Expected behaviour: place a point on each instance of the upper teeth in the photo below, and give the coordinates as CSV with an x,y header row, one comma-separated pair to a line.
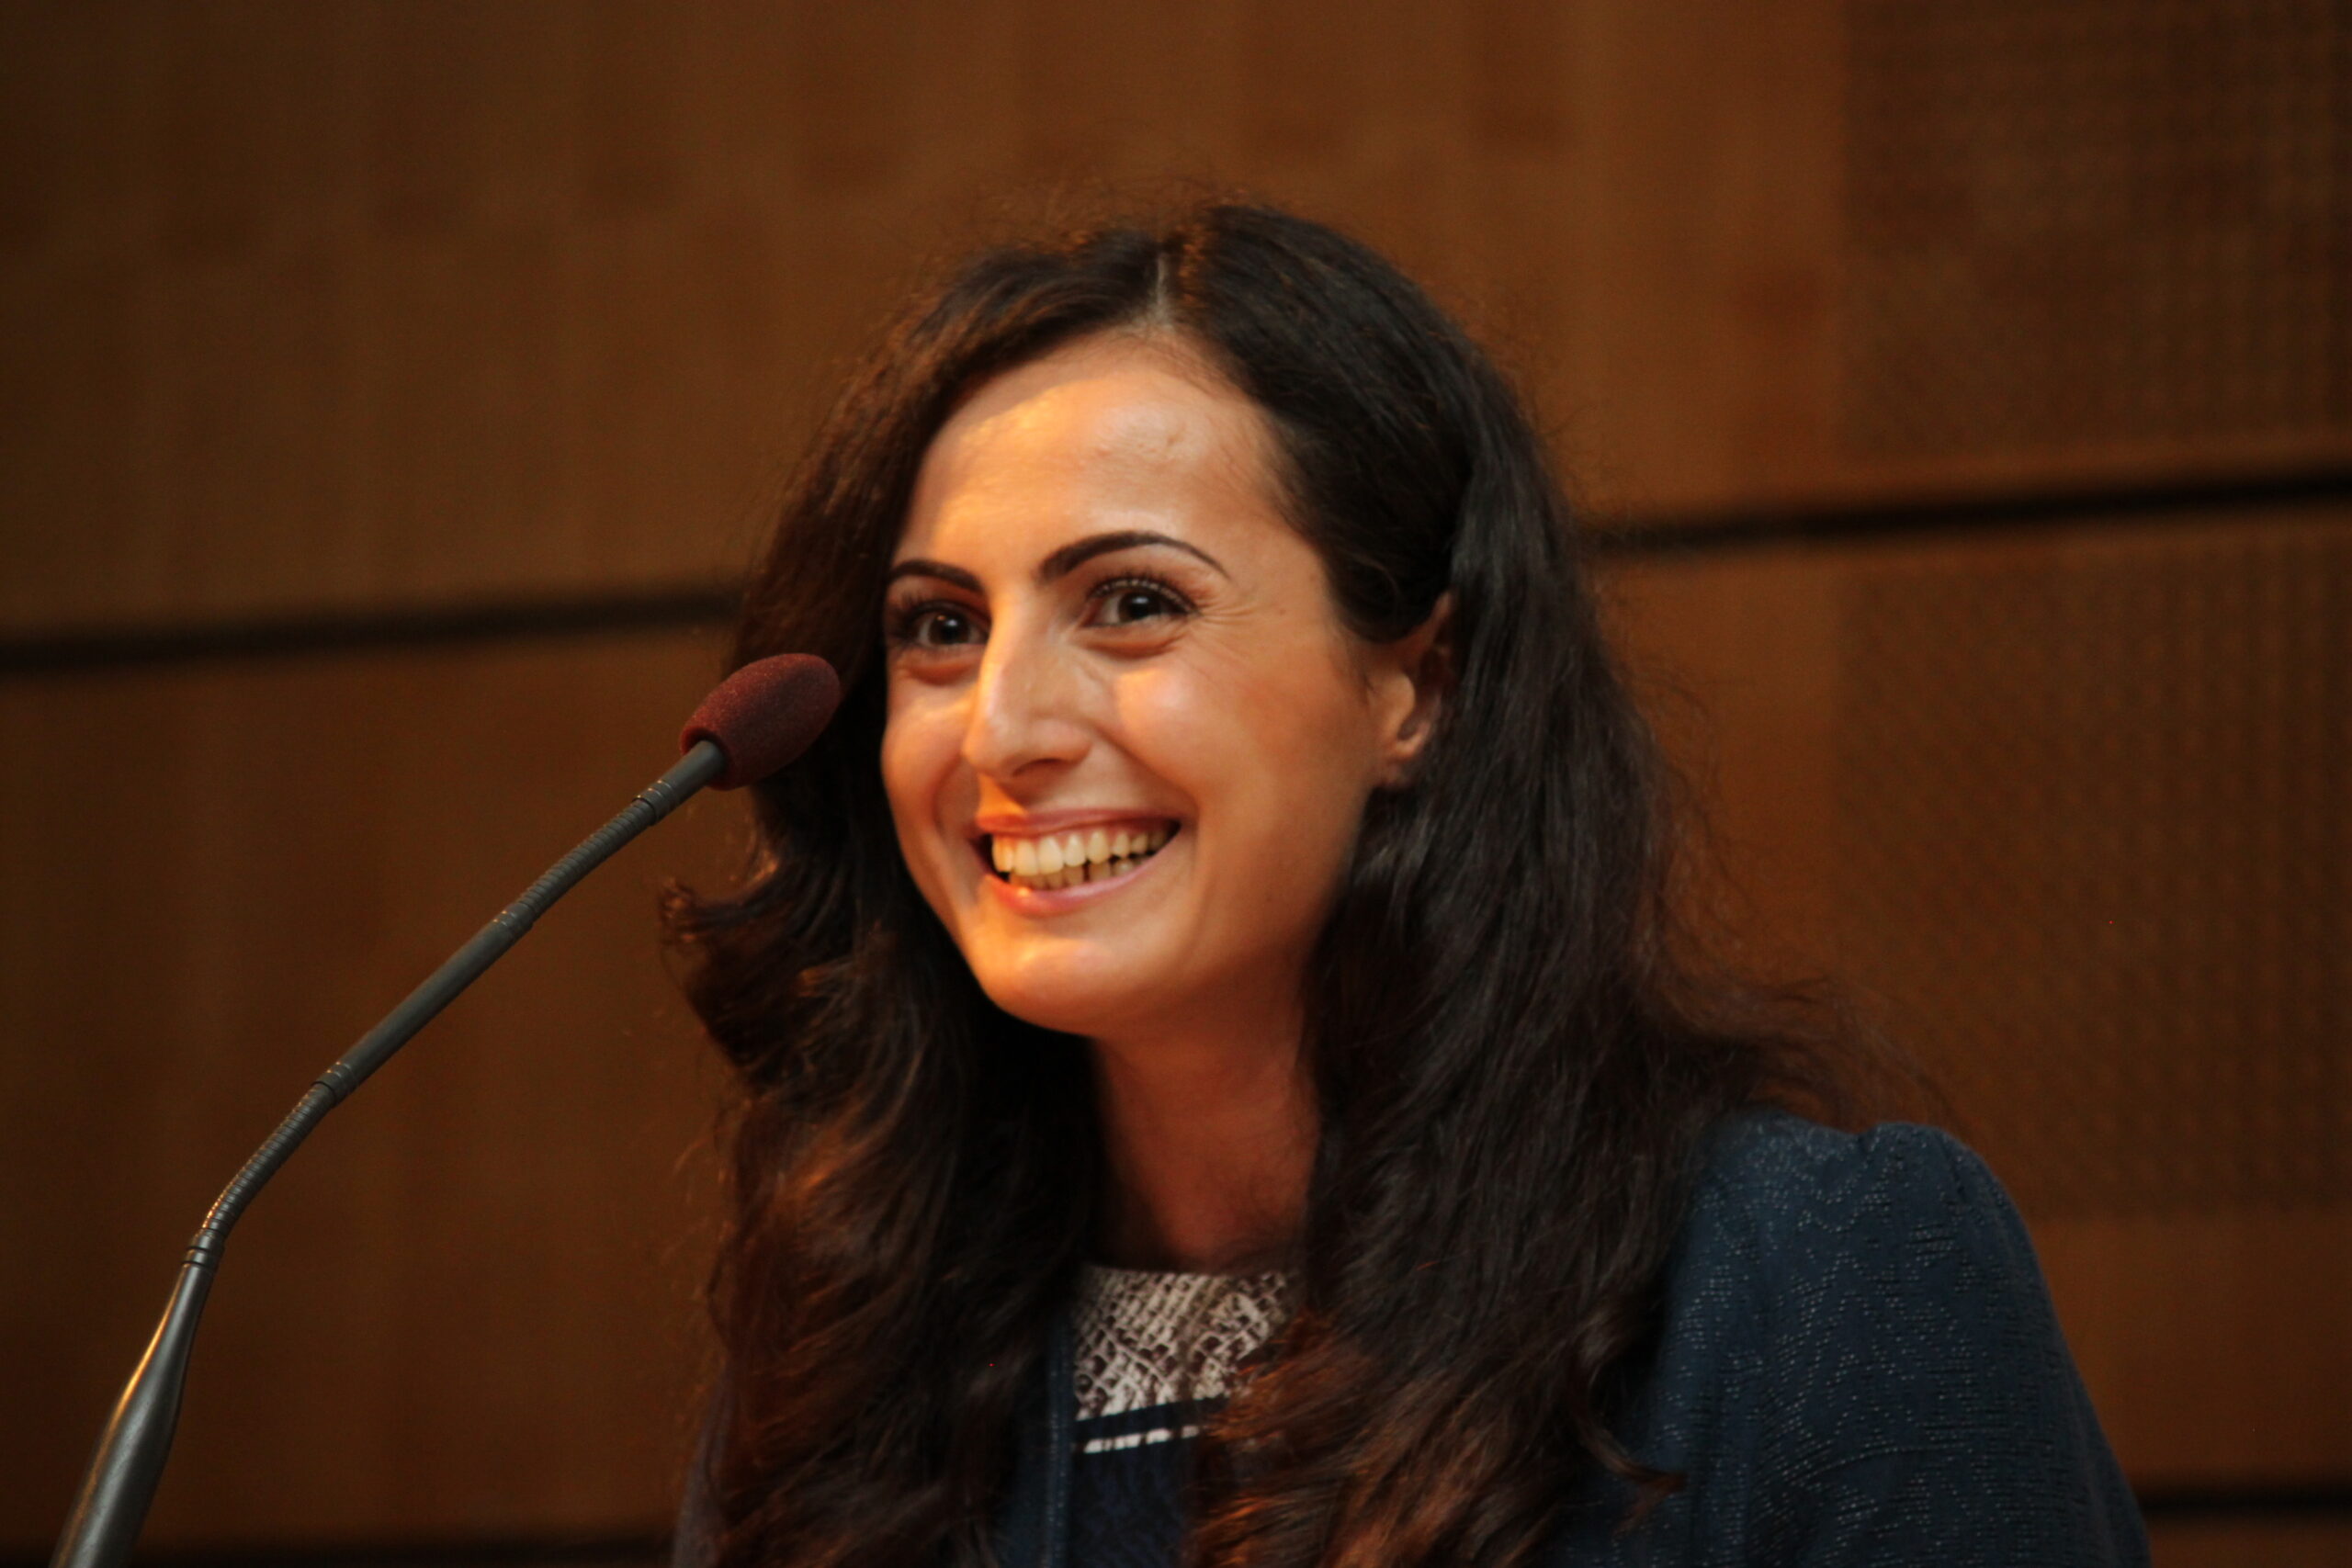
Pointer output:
x,y
1095,846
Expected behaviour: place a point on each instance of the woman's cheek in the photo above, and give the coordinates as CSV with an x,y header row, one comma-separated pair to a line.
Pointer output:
x,y
1212,696
918,753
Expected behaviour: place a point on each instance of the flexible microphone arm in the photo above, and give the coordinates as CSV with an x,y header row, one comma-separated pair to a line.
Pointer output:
x,y
752,724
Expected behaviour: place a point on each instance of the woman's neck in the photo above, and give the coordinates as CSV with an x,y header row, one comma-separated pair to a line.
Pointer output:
x,y
1210,1143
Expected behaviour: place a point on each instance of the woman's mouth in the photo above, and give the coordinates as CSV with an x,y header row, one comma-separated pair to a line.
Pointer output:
x,y
1049,861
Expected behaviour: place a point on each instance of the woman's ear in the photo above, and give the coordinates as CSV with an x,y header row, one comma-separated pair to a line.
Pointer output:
x,y
1416,678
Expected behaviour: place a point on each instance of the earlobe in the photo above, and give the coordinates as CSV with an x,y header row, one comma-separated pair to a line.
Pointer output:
x,y
1424,670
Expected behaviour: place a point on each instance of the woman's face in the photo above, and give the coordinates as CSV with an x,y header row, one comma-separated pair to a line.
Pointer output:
x,y
1109,654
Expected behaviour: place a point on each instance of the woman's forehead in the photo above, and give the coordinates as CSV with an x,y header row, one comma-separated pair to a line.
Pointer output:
x,y
1095,434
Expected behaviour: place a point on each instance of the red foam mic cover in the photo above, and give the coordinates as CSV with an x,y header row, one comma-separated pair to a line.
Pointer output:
x,y
765,715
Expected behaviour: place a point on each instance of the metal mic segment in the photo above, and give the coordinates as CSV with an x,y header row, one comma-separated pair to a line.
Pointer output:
x,y
765,715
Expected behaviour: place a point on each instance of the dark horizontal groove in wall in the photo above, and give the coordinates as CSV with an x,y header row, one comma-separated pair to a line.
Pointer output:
x,y
1701,534
2182,1503
370,632
1659,537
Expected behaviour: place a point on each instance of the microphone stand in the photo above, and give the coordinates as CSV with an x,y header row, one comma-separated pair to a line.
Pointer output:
x,y
129,1461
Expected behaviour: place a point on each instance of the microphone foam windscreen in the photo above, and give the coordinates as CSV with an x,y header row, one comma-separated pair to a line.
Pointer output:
x,y
765,715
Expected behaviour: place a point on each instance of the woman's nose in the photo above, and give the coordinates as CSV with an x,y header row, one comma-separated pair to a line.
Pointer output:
x,y
1025,707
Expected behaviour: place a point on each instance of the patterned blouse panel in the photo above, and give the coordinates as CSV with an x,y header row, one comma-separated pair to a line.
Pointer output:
x,y
1149,1338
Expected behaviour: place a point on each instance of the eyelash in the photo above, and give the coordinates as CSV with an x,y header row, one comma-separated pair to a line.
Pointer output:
x,y
899,623
1111,588
904,622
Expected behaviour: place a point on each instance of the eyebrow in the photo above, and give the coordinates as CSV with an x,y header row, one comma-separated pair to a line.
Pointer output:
x,y
1068,559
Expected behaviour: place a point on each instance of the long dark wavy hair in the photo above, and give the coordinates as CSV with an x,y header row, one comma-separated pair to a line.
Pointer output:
x,y
1516,1058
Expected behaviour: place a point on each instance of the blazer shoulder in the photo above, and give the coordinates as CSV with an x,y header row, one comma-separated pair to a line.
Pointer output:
x,y
1907,1379
1800,1238
1786,1181
1804,1241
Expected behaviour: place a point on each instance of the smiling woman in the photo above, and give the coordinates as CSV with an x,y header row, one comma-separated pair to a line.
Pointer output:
x,y
1219,1081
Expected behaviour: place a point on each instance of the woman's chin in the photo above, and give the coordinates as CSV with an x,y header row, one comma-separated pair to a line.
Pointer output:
x,y
1058,1011
1072,998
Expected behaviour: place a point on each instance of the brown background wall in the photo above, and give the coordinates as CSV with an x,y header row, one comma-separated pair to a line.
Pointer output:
x,y
386,392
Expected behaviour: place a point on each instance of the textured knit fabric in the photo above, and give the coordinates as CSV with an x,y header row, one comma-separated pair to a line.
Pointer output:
x,y
1858,1363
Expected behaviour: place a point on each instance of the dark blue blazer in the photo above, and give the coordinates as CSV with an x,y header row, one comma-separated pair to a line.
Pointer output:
x,y
1858,1364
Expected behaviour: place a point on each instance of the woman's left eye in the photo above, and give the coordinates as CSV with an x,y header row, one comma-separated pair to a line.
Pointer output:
x,y
1125,601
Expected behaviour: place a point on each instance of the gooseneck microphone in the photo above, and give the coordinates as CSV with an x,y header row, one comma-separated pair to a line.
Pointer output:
x,y
757,720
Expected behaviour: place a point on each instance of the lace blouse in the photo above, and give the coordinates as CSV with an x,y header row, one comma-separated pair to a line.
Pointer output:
x,y
1152,1341
1154,1352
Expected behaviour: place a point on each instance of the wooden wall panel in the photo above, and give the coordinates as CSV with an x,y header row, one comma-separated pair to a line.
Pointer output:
x,y
2306,1543
2065,811
2110,227
466,1308
2212,1339
314,306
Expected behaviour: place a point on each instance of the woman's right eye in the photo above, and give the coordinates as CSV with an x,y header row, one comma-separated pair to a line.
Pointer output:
x,y
934,625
